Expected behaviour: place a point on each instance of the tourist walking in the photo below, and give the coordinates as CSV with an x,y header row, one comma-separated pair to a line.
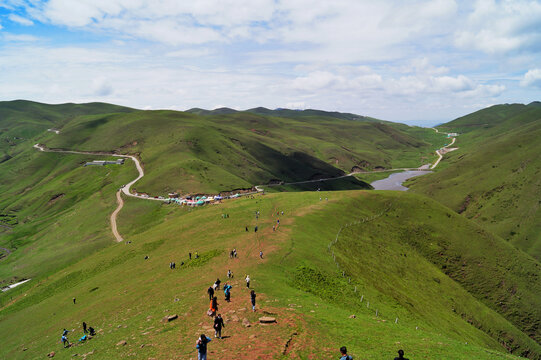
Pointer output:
x,y
252,299
247,281
210,291
218,325
65,341
201,346
84,328
227,292
260,254
213,307
229,274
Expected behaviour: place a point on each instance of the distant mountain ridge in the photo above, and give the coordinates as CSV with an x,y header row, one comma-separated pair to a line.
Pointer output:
x,y
283,112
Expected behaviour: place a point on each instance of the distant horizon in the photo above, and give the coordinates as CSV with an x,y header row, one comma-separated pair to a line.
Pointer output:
x,y
420,123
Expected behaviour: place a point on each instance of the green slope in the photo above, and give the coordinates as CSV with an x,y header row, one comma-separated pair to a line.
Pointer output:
x,y
191,153
494,177
395,262
41,192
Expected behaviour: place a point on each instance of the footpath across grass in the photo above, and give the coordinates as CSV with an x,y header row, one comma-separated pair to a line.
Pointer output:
x,y
125,296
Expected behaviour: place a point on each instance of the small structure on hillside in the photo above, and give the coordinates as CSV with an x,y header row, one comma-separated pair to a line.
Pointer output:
x,y
105,162
452,134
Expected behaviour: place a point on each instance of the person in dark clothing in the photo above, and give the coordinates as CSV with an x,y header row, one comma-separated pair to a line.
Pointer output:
x,y
344,354
190,255
217,283
255,229
210,291
65,332
246,228
218,324
92,331
400,355
201,346
84,328
74,300
252,299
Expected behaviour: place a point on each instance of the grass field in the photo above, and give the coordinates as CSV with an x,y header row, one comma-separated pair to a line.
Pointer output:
x,y
442,284
297,282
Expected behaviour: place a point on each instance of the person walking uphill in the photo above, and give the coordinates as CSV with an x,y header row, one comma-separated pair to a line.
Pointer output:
x,y
247,281
252,299
210,291
84,328
201,346
213,307
227,292
218,324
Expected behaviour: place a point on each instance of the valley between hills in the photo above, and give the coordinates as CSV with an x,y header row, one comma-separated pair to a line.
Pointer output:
x,y
449,269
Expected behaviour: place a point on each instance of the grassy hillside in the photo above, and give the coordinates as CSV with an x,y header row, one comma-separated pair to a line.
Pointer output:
x,y
395,262
494,178
21,120
40,193
192,153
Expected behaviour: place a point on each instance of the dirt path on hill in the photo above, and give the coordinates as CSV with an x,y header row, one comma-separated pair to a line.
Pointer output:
x,y
114,216
285,338
442,151
124,189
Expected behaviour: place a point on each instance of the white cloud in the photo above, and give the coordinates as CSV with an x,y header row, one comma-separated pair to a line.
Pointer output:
x,y
502,26
20,20
532,78
101,87
18,37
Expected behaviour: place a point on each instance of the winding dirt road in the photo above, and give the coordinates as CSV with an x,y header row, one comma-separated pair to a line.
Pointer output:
x,y
124,189
443,150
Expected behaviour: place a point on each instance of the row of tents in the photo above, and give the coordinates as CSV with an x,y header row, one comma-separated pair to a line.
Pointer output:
x,y
200,200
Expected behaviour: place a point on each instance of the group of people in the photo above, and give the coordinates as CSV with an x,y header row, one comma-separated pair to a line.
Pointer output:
x,y
90,331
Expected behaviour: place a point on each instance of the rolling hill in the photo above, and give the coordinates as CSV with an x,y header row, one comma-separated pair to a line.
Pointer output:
x,y
372,270
434,281
494,177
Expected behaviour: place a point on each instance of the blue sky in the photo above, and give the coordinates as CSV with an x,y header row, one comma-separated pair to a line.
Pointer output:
x,y
419,62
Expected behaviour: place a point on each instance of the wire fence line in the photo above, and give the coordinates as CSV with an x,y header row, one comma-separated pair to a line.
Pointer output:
x,y
335,240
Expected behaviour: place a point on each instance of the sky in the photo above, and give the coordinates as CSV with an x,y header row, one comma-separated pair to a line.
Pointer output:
x,y
418,62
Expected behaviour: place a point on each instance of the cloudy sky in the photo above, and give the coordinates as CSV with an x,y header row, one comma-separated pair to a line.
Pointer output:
x,y
419,62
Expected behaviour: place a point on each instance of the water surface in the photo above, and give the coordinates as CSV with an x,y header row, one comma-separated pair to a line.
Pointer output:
x,y
394,181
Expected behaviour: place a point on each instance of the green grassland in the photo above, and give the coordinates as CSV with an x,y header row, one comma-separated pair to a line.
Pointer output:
x,y
443,286
61,208
494,178
41,193
435,281
192,153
